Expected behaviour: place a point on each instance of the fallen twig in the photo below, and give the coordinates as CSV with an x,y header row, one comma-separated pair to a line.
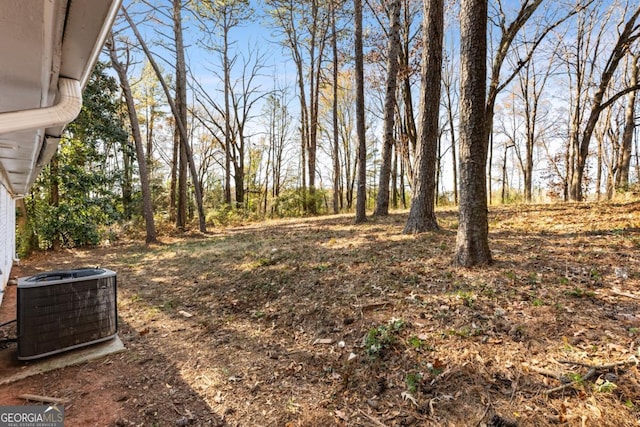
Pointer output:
x,y
44,399
372,419
624,294
547,373
587,376
631,361
593,369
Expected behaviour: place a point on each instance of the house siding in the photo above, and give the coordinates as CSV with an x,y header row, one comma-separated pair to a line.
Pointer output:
x,y
7,237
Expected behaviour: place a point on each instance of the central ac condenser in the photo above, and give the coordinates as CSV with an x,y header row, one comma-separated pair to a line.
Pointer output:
x,y
64,310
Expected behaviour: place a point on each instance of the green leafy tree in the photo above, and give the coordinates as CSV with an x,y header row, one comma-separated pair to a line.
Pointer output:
x,y
80,192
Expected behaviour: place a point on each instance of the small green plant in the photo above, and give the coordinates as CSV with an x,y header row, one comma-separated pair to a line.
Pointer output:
x,y
413,381
629,403
321,267
605,386
537,302
576,378
435,368
415,342
487,290
382,337
633,331
468,298
564,280
419,344
266,262
168,305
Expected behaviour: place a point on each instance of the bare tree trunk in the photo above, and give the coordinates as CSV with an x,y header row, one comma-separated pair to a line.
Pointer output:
x,y
181,207
628,34
394,180
181,106
448,87
422,213
174,180
490,170
624,164
472,245
127,182
336,140
600,139
147,206
318,40
181,125
393,50
54,197
503,194
361,202
227,118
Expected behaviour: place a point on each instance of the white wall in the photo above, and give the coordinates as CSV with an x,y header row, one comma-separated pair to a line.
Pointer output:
x,y
7,237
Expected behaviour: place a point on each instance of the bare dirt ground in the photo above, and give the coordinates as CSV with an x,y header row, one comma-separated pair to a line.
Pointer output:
x,y
318,322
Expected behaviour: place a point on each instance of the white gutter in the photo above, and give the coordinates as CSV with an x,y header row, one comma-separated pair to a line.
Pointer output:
x,y
102,38
59,115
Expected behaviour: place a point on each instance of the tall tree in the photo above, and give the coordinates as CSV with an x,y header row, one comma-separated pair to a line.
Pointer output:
x,y
624,161
225,16
628,34
450,93
393,51
361,201
147,207
181,107
531,85
182,126
472,244
244,99
422,214
334,113
304,25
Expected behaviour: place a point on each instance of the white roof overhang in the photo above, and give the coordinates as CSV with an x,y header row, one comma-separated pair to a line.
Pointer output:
x,y
48,49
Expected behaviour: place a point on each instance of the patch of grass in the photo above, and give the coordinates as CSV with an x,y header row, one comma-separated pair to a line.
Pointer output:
x,y
537,302
579,293
487,290
321,267
465,332
266,262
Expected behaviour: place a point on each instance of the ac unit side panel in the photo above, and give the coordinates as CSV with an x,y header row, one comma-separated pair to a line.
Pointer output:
x,y
65,315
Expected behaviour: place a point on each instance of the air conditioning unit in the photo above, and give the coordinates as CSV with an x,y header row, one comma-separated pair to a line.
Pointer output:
x,y
64,310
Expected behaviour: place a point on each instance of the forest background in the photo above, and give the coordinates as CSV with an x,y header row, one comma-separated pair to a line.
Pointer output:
x,y
207,113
